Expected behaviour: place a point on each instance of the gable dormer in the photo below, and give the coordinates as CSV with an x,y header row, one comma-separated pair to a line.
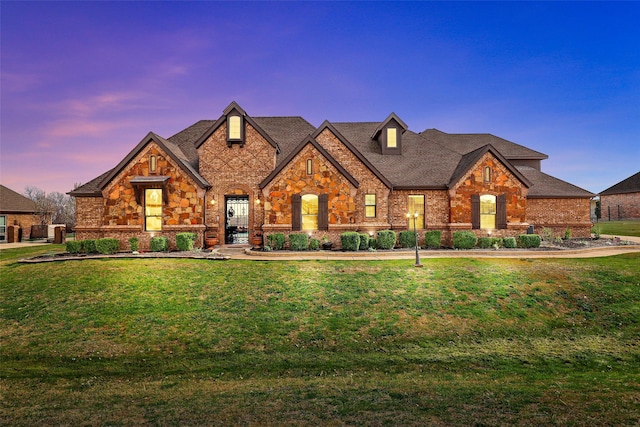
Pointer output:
x,y
389,134
235,117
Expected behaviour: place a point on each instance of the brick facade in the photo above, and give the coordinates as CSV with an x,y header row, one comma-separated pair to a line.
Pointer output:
x,y
620,206
23,221
560,215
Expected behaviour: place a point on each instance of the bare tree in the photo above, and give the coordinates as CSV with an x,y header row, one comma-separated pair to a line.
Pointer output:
x,y
55,207
44,206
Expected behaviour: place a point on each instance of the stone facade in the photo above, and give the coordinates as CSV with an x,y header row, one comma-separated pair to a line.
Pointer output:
x,y
620,206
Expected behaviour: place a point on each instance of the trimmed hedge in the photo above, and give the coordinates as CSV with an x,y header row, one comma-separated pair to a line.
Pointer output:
x,y
364,242
489,242
350,240
314,244
185,241
464,239
373,243
74,246
159,244
509,242
107,246
89,246
134,243
432,239
407,239
298,241
276,241
529,240
386,239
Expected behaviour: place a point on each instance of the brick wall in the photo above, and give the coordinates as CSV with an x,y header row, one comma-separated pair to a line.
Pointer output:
x,y
235,171
560,214
620,206
24,221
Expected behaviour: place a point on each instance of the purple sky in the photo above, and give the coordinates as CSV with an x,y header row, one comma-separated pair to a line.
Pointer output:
x,y
83,82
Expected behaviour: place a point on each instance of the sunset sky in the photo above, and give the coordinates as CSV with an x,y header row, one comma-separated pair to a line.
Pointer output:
x,y
83,82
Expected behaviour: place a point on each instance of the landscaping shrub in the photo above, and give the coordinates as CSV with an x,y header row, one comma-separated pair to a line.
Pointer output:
x,y
314,244
432,239
364,242
529,240
159,244
185,241
567,234
298,241
407,239
386,239
350,241
107,246
134,243
74,246
547,234
89,246
490,242
509,242
276,241
373,243
464,239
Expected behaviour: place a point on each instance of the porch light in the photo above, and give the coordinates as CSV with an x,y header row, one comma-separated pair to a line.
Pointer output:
x,y
415,231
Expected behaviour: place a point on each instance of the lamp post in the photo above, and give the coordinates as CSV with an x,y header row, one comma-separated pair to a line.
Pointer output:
x,y
415,231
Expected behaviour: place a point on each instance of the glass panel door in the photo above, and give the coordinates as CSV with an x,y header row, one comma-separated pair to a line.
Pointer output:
x,y
237,220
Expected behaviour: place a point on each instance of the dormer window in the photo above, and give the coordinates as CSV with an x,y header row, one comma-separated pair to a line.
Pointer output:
x,y
234,128
392,138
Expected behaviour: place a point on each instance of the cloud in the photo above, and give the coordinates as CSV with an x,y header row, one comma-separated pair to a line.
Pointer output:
x,y
19,82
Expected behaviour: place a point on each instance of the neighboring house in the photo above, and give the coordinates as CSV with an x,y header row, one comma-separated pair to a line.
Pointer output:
x,y
239,175
17,214
621,201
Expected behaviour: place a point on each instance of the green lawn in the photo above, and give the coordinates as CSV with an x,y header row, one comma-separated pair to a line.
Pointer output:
x,y
190,342
618,228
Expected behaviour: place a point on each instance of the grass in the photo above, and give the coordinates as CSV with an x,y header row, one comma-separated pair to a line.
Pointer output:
x,y
618,228
189,342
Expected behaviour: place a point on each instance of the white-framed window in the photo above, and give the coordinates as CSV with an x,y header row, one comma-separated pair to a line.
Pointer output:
x,y
3,228
487,212
153,209
392,138
370,206
309,209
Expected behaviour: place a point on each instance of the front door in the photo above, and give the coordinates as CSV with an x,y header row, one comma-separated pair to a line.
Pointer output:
x,y
236,224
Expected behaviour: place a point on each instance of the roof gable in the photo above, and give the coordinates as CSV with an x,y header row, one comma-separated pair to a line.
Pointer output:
x,y
235,107
391,117
172,150
470,159
327,125
309,140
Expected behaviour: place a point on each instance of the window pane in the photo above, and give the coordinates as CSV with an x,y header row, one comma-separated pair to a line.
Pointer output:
x,y
416,204
392,140
234,127
370,205
487,211
309,210
153,209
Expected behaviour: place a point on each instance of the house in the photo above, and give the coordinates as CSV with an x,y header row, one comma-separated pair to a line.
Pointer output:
x,y
622,200
17,214
240,174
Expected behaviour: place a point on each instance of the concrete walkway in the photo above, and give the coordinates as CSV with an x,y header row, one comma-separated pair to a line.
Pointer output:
x,y
245,252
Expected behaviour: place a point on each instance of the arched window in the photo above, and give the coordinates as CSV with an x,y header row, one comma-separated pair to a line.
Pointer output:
x,y
487,212
309,211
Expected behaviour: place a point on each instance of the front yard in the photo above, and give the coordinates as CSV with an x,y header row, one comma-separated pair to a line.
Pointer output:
x,y
189,342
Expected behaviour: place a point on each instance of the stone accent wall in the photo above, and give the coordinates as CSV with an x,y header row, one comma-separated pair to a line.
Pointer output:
x,y
118,215
235,170
620,206
560,214
368,181
502,182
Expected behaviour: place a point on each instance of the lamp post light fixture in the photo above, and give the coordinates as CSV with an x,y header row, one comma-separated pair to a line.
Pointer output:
x,y
415,231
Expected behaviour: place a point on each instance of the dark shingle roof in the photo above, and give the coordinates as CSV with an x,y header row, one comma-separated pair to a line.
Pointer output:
x,y
422,164
287,132
10,201
546,186
465,142
91,188
629,185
